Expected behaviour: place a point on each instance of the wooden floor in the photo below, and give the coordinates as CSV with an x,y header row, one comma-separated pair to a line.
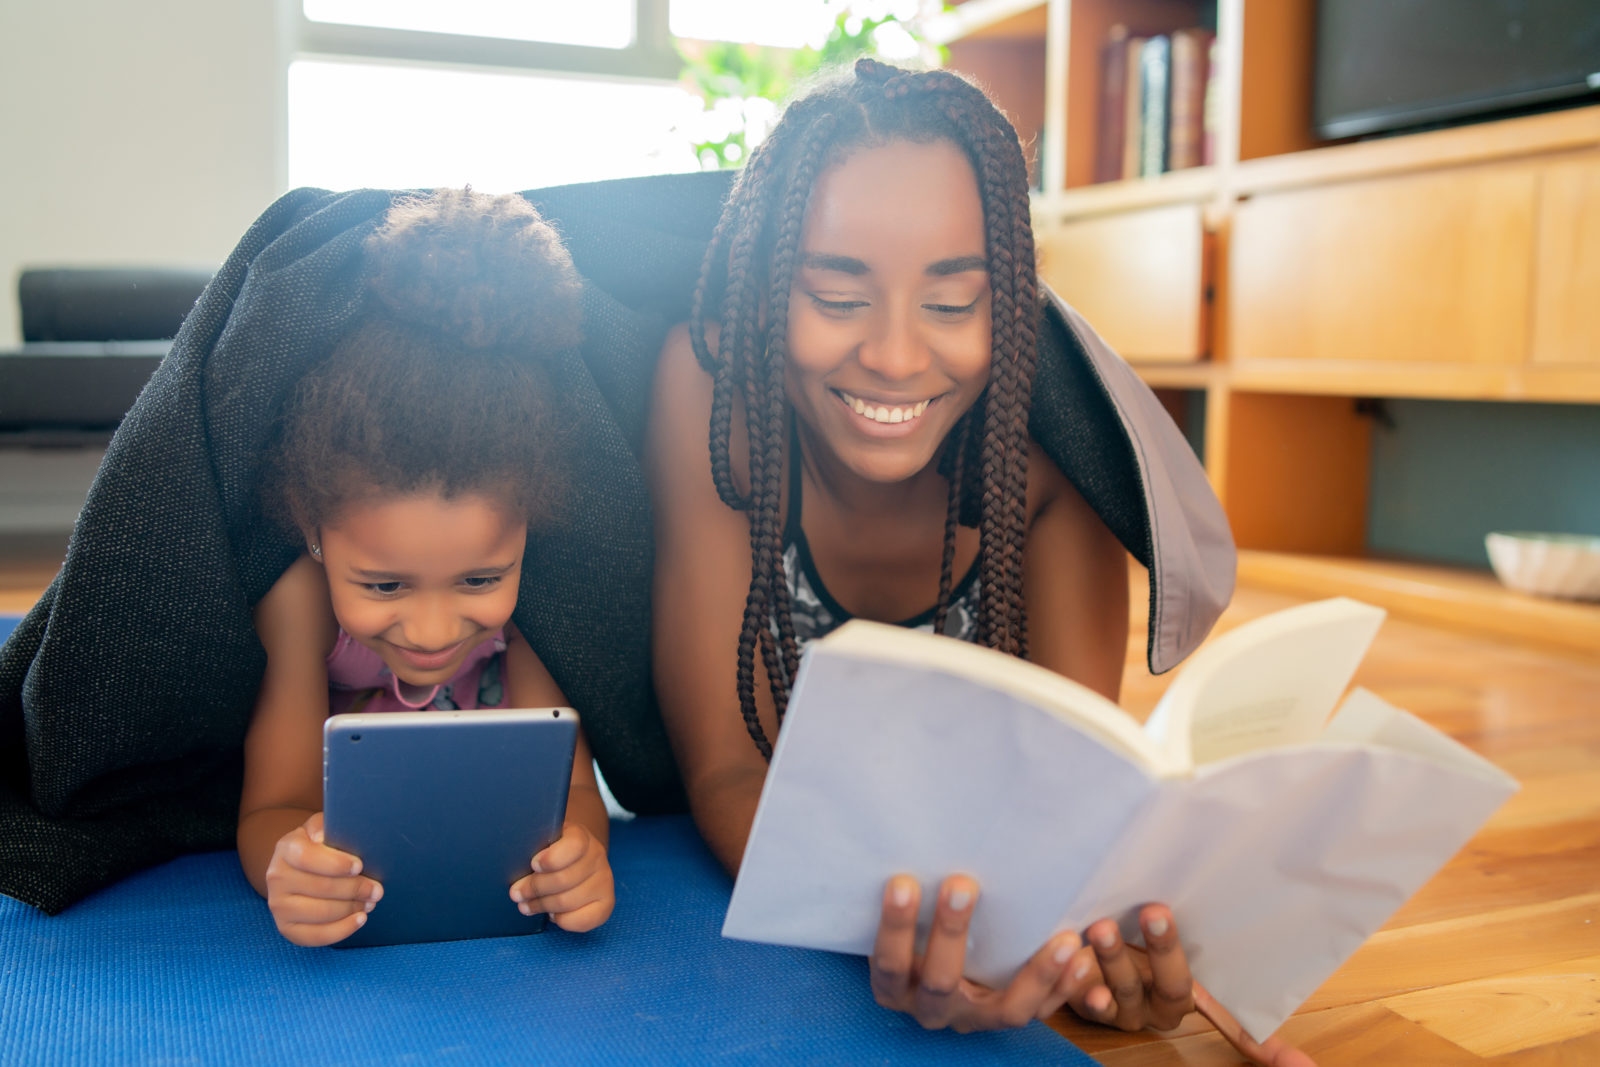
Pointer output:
x,y
1497,959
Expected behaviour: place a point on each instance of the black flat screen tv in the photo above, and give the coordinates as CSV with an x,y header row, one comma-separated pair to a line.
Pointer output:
x,y
1385,65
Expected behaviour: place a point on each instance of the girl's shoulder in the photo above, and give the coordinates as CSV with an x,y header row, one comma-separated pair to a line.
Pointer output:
x,y
296,615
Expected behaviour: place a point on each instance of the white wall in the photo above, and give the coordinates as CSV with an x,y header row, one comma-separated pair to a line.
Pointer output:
x,y
134,133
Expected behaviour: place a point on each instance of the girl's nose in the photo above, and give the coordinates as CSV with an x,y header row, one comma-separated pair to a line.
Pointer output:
x,y
429,630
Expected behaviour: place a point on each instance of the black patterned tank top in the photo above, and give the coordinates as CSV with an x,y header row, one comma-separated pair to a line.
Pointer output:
x,y
816,613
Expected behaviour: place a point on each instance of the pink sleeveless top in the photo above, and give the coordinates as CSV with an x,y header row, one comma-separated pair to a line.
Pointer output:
x,y
358,680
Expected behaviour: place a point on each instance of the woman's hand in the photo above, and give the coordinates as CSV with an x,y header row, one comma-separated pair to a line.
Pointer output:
x,y
571,882
1152,987
315,892
1105,981
930,987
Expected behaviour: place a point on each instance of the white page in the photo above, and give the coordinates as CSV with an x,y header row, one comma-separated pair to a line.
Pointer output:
x,y
1268,683
1279,865
887,769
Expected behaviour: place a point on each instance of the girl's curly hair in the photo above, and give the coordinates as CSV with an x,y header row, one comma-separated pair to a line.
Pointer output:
x,y
744,285
439,386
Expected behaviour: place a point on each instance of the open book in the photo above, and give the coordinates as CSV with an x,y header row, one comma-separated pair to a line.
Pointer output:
x,y
1280,838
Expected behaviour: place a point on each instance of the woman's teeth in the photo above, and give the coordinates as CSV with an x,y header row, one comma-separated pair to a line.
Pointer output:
x,y
885,413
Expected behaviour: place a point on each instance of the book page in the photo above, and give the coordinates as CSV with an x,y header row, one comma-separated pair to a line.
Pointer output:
x,y
1272,681
887,767
1279,864
1028,682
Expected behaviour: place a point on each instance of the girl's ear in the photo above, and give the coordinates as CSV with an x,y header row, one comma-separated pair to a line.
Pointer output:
x,y
313,543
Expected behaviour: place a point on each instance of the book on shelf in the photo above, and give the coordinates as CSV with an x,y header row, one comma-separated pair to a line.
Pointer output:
x,y
1211,107
1280,837
1110,114
1187,77
1154,64
1132,108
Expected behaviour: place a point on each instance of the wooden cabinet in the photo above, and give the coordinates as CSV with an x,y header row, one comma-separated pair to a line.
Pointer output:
x,y
1292,282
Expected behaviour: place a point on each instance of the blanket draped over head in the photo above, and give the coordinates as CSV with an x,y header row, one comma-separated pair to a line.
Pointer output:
x,y
125,693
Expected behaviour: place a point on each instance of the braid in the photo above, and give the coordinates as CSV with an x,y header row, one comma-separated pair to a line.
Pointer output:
x,y
748,271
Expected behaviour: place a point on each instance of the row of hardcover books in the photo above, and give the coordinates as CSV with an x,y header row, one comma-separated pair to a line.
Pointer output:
x,y
1157,103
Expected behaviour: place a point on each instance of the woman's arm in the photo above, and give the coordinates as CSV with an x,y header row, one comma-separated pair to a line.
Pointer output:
x,y
571,879
1075,583
702,577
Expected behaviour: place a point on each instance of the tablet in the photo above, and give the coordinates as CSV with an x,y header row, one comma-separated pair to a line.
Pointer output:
x,y
446,809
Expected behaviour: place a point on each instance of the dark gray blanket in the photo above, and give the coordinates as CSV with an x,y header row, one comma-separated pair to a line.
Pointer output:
x,y
125,693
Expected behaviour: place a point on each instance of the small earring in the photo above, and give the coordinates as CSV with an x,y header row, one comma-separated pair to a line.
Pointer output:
x,y
316,550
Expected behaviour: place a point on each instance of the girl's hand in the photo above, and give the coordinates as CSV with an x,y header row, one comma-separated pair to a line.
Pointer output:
x,y
315,892
571,881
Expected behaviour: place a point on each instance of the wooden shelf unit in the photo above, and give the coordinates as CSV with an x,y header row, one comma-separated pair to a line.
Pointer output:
x,y
1293,278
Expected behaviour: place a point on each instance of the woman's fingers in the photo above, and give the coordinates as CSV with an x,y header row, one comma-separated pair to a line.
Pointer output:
x,y
935,999
1121,975
891,964
1273,1052
1032,993
1171,995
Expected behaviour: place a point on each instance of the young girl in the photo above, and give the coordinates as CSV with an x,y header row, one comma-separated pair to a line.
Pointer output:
x,y
413,461
862,347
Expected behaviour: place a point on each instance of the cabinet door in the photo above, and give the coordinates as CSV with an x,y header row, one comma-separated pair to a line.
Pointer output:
x,y
1139,278
1431,268
1566,320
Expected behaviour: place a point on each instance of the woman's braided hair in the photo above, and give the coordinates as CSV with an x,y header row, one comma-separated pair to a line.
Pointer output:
x,y
744,284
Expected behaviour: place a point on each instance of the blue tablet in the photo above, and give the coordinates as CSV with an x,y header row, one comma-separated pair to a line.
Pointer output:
x,y
446,809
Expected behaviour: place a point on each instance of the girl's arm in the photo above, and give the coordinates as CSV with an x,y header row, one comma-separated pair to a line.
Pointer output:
x,y
572,878
702,576
315,892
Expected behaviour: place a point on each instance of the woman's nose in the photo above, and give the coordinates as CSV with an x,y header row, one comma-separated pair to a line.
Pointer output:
x,y
894,350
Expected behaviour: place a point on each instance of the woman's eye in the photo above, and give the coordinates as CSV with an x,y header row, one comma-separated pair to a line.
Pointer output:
x,y
836,307
481,581
953,310
385,588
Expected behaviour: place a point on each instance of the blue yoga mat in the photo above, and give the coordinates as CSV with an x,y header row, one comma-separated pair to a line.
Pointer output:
x,y
181,964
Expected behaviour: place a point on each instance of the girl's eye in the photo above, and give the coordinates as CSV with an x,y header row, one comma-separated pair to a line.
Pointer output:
x,y
385,588
836,307
952,310
481,581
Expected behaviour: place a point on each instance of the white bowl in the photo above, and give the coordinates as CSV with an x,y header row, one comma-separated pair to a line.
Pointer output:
x,y
1547,564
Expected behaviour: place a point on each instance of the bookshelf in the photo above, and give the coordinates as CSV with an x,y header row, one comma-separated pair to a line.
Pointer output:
x,y
1273,296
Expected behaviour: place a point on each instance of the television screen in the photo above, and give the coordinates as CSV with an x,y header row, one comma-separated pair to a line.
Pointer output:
x,y
1389,64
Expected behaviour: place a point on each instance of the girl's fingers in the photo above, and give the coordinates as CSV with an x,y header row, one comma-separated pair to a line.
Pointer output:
x,y
316,911
299,851
315,935
891,964
567,850
1172,988
936,996
1121,975
595,887
587,917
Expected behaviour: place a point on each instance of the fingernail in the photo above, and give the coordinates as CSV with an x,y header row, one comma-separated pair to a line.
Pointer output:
x,y
535,865
1081,973
361,918
355,868
900,894
1158,926
375,893
525,908
369,906
516,895
959,899
1106,939
317,836
1064,952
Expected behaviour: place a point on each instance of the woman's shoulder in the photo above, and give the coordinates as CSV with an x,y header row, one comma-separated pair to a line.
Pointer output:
x,y
1052,492
680,416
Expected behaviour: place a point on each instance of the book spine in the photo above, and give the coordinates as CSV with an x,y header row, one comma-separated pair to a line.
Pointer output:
x,y
1210,110
1185,123
1132,107
1154,65
1111,124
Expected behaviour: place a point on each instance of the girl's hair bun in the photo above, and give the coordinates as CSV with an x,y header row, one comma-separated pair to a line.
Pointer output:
x,y
483,270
